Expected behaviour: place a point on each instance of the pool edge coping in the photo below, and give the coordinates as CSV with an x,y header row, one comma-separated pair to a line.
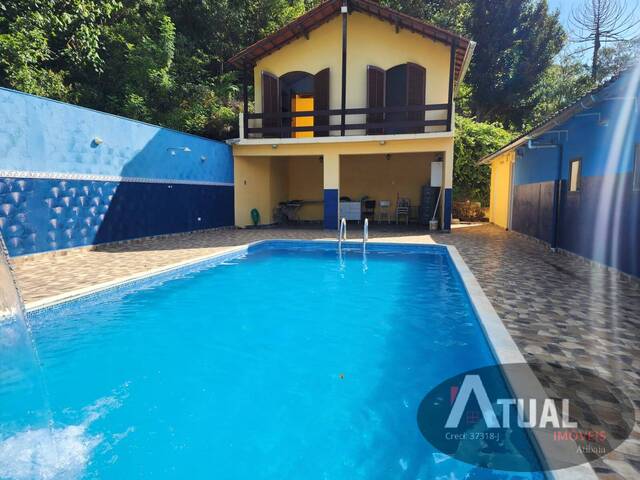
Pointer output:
x,y
79,293
500,341
506,351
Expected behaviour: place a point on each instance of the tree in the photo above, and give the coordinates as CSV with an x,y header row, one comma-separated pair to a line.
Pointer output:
x,y
562,83
617,57
43,43
517,41
450,14
473,141
597,23
161,61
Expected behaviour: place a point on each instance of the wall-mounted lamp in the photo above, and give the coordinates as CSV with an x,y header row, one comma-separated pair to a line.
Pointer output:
x,y
275,145
203,158
97,141
382,142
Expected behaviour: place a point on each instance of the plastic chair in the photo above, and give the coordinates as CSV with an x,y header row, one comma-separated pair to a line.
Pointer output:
x,y
368,209
403,208
385,205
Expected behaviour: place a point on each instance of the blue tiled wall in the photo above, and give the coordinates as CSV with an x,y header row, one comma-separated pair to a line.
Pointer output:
x,y
60,189
602,221
46,214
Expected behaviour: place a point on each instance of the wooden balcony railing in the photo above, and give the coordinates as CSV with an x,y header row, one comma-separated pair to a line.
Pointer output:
x,y
379,121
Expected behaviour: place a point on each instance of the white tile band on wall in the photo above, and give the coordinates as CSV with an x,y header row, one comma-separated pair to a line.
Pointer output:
x,y
103,178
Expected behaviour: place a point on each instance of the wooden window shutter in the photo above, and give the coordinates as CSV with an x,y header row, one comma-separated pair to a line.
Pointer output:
x,y
321,100
270,102
375,97
416,85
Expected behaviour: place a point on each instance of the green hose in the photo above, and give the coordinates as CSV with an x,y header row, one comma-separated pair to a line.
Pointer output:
x,y
255,216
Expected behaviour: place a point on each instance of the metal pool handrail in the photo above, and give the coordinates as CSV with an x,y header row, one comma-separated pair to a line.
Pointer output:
x,y
365,234
342,233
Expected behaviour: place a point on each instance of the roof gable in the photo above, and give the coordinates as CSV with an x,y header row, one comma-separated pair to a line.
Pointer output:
x,y
330,9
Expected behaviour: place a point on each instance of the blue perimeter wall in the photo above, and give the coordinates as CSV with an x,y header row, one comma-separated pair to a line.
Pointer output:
x,y
602,220
59,189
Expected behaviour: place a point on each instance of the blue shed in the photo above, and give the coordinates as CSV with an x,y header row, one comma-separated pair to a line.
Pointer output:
x,y
574,180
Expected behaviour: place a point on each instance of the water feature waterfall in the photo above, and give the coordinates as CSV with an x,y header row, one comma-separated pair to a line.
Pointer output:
x,y
21,377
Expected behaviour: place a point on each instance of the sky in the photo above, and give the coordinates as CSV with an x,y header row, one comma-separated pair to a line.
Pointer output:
x,y
565,7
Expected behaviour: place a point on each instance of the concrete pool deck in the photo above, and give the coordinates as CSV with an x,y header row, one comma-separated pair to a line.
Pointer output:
x,y
556,308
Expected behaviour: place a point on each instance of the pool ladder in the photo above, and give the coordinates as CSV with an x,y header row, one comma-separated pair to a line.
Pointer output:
x,y
342,233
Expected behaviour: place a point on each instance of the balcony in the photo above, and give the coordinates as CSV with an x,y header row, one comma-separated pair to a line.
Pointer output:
x,y
350,122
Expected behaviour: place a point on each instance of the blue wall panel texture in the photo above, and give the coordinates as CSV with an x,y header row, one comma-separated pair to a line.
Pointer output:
x,y
59,188
601,221
48,214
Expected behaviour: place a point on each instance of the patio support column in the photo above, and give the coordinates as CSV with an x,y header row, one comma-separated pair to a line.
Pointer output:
x,y
446,200
331,168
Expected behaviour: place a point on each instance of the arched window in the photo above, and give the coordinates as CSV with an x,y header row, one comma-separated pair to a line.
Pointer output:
x,y
298,92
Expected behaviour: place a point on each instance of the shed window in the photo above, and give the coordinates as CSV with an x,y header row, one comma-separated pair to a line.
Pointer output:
x,y
636,170
574,175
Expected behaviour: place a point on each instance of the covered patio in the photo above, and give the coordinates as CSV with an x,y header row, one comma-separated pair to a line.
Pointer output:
x,y
404,181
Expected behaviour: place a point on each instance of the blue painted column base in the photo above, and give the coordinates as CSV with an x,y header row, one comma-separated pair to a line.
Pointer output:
x,y
448,203
330,221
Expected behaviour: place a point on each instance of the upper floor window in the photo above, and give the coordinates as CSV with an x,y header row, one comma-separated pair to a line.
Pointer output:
x,y
396,89
575,174
295,92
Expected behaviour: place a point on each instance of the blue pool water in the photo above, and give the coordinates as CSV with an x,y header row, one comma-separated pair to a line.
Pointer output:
x,y
284,363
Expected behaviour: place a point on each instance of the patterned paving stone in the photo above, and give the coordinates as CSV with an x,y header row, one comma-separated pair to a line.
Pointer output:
x,y
557,308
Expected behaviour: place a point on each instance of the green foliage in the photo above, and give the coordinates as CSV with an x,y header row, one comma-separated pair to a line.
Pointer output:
x,y
160,61
561,84
473,141
450,14
517,42
616,57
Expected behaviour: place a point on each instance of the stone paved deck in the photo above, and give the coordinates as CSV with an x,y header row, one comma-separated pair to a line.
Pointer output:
x,y
556,308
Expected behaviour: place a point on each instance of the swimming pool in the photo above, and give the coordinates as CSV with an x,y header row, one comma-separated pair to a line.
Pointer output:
x,y
287,360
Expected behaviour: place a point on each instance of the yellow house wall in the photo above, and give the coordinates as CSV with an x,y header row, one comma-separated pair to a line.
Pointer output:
x,y
252,189
279,178
370,41
305,182
500,189
263,182
380,178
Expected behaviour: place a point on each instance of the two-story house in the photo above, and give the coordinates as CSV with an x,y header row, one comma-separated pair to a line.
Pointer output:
x,y
352,101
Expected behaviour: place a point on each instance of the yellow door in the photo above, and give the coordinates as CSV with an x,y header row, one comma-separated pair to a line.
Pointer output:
x,y
302,103
500,190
